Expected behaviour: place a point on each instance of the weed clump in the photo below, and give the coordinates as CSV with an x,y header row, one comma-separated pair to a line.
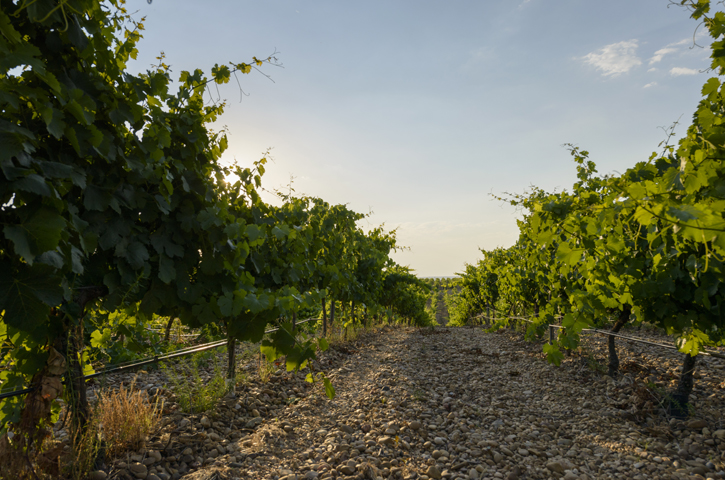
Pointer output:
x,y
265,368
120,421
125,417
193,394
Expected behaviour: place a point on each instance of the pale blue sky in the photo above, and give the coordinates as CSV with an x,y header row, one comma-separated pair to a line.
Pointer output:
x,y
418,110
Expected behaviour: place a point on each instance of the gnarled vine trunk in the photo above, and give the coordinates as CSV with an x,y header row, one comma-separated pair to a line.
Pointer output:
x,y
231,360
28,438
621,322
680,398
167,335
75,383
332,315
324,319
72,349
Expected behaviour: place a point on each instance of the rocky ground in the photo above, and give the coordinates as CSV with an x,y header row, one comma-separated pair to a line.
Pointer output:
x,y
454,403
442,315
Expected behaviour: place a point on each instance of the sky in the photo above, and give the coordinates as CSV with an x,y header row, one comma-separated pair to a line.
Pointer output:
x,y
420,112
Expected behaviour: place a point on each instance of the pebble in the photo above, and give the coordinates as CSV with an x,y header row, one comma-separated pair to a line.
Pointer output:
x,y
385,440
139,470
462,405
433,472
696,424
253,422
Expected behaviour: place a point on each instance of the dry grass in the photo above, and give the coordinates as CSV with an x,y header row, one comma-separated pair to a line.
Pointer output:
x,y
266,368
121,420
86,447
342,335
125,417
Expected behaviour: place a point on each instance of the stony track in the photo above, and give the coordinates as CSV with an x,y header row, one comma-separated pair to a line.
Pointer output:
x,y
453,404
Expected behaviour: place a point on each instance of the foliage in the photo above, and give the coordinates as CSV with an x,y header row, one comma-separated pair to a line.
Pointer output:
x,y
115,209
650,241
406,295
117,337
105,175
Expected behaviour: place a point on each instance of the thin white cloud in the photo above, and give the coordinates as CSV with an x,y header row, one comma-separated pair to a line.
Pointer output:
x,y
651,84
677,71
521,5
671,48
614,59
653,69
659,54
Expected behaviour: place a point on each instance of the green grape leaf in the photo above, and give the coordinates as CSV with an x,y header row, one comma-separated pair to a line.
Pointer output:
x,y
567,255
253,233
27,294
137,254
553,355
33,183
257,303
30,361
221,74
167,271
329,389
270,352
41,233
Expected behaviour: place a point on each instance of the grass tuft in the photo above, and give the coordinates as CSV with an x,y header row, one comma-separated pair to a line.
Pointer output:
x,y
193,394
265,367
125,417
86,447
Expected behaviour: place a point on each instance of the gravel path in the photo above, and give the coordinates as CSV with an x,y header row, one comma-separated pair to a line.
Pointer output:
x,y
454,404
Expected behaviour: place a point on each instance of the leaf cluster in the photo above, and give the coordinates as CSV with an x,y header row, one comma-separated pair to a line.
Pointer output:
x,y
650,241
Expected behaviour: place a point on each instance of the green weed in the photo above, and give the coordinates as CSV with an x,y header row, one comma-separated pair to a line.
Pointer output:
x,y
419,395
596,366
192,393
